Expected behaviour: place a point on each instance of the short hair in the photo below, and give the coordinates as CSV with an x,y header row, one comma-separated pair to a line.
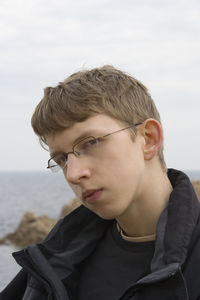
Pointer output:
x,y
104,90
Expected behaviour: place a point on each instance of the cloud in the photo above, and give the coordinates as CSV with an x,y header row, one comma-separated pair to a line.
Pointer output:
x,y
42,42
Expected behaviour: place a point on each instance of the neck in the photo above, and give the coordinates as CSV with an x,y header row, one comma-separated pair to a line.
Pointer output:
x,y
141,217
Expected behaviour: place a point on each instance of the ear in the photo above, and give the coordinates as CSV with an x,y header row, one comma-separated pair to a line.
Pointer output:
x,y
153,138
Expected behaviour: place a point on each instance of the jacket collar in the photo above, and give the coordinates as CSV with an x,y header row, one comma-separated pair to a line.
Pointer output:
x,y
174,230
176,223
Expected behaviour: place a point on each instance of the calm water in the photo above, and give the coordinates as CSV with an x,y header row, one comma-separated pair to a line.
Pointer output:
x,y
40,192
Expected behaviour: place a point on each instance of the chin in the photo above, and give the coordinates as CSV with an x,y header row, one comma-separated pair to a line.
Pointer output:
x,y
107,214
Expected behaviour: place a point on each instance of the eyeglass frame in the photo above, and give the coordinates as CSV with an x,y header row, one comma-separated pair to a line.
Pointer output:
x,y
95,138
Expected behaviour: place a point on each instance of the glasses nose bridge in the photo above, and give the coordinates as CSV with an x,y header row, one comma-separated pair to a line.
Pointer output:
x,y
76,154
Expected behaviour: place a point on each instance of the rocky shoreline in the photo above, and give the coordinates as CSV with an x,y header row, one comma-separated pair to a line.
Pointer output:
x,y
33,229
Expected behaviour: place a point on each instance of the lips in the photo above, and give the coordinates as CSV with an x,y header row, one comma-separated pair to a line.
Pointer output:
x,y
91,196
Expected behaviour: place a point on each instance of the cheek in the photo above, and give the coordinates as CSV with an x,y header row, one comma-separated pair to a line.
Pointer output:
x,y
125,163
126,170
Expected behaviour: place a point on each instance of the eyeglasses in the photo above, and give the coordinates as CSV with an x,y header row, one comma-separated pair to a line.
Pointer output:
x,y
88,146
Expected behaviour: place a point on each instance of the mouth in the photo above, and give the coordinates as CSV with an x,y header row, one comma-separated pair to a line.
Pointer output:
x,y
91,196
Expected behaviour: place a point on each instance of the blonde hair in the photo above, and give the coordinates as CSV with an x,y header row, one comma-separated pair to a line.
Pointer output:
x,y
101,90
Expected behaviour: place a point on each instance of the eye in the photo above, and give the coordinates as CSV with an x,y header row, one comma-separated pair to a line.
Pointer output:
x,y
90,142
93,141
85,146
60,159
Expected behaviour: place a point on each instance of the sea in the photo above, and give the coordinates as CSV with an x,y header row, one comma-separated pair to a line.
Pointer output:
x,y
39,192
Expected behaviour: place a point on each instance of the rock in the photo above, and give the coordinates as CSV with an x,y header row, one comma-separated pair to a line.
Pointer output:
x,y
33,229
196,185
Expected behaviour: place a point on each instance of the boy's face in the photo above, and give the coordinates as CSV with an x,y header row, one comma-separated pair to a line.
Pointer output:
x,y
111,180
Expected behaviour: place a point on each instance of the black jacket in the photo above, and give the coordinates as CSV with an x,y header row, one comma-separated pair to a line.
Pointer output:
x,y
50,269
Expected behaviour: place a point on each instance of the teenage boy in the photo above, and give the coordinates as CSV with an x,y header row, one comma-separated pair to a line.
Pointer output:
x,y
136,236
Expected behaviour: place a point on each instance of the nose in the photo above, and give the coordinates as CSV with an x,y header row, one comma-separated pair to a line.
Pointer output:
x,y
76,170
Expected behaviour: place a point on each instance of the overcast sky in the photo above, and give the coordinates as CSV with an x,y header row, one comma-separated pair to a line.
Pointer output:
x,y
42,42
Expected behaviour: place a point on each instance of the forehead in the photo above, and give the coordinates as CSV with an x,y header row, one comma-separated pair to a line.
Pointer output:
x,y
95,125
